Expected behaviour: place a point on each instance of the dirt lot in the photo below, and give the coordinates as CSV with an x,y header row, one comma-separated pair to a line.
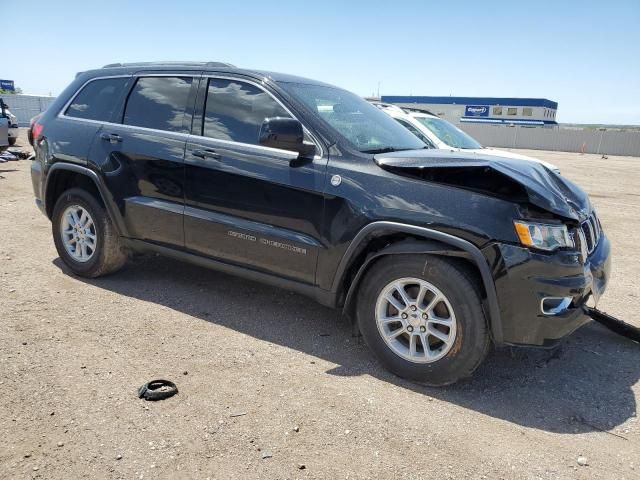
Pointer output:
x,y
273,386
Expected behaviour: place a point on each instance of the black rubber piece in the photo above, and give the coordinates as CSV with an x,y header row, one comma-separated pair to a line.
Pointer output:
x,y
152,392
613,324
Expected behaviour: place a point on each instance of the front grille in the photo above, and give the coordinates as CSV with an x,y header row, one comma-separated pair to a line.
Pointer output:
x,y
591,229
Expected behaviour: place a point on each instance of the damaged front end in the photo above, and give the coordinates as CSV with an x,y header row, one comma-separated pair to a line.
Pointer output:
x,y
562,259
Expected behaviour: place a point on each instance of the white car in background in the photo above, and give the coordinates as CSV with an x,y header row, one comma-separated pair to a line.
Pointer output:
x,y
13,126
436,132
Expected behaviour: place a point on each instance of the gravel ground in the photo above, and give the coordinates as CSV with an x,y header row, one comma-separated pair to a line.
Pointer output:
x,y
272,385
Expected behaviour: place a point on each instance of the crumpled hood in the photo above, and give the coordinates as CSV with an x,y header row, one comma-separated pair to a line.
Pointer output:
x,y
544,188
518,156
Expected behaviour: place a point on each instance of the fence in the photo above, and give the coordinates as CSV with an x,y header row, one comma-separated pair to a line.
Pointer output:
x,y
611,142
24,107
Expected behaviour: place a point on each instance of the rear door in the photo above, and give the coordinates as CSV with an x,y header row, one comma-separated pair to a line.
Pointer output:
x,y
77,124
143,155
246,203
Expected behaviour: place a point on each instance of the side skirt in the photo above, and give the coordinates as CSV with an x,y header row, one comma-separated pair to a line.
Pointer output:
x,y
323,297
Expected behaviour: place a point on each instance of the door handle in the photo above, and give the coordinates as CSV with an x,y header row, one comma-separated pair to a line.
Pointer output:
x,y
206,153
111,137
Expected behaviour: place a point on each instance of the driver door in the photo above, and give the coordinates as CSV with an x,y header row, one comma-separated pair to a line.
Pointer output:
x,y
245,203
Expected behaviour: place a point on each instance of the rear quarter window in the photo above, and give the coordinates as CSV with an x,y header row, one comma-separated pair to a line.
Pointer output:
x,y
97,100
159,103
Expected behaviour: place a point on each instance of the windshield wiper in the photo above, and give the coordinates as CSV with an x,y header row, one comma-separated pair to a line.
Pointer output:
x,y
380,150
387,150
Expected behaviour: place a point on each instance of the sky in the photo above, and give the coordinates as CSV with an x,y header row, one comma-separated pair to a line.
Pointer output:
x,y
583,54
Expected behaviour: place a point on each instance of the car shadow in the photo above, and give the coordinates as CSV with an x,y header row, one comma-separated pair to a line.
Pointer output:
x,y
584,385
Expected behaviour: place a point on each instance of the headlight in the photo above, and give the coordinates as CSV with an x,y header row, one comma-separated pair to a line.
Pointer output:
x,y
543,236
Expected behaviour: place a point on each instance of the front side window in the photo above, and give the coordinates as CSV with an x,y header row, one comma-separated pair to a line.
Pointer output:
x,y
97,100
159,103
449,134
235,111
364,126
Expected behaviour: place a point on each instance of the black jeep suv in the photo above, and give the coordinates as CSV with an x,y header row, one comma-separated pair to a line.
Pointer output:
x,y
433,254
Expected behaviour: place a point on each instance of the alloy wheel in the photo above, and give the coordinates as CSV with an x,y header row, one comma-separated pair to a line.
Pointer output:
x,y
78,233
415,320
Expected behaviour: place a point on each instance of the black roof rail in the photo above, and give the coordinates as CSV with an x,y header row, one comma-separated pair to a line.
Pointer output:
x,y
173,63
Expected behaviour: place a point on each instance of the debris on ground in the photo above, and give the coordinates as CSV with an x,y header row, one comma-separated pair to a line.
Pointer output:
x,y
7,156
157,390
19,153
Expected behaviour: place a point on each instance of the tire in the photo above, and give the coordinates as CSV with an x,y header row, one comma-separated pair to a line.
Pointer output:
x,y
458,317
107,255
12,141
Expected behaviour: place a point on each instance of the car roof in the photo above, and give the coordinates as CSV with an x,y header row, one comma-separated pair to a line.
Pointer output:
x,y
212,67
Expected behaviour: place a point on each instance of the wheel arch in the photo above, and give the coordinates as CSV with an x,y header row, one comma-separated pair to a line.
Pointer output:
x,y
62,176
402,239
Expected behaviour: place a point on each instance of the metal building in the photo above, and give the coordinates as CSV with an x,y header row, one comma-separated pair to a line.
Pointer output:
x,y
534,112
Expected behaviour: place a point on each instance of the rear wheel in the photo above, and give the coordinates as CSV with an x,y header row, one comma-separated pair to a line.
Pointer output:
x,y
84,235
422,318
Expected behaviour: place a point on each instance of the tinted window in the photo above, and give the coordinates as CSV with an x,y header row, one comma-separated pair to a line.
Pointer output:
x,y
97,100
235,111
158,102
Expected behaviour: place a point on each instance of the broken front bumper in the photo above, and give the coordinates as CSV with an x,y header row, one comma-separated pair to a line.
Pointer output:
x,y
527,280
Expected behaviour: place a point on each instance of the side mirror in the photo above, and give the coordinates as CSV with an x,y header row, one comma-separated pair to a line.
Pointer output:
x,y
285,134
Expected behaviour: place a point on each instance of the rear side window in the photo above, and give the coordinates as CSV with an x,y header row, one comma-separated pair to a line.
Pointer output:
x,y
97,100
158,103
235,111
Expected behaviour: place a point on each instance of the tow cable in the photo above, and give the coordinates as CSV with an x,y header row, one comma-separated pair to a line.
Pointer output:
x,y
613,324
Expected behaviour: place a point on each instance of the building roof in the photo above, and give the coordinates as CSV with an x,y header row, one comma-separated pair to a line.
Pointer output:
x,y
516,102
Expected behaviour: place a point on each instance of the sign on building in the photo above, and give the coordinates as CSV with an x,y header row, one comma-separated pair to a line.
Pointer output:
x,y
476,111
7,85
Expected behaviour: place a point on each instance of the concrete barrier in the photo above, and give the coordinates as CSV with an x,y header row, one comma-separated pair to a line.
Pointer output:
x,y
25,107
612,142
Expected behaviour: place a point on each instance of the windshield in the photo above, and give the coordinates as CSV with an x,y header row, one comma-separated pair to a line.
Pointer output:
x,y
362,124
448,133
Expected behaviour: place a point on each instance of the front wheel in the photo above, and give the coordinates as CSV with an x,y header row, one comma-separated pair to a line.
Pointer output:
x,y
84,235
422,317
